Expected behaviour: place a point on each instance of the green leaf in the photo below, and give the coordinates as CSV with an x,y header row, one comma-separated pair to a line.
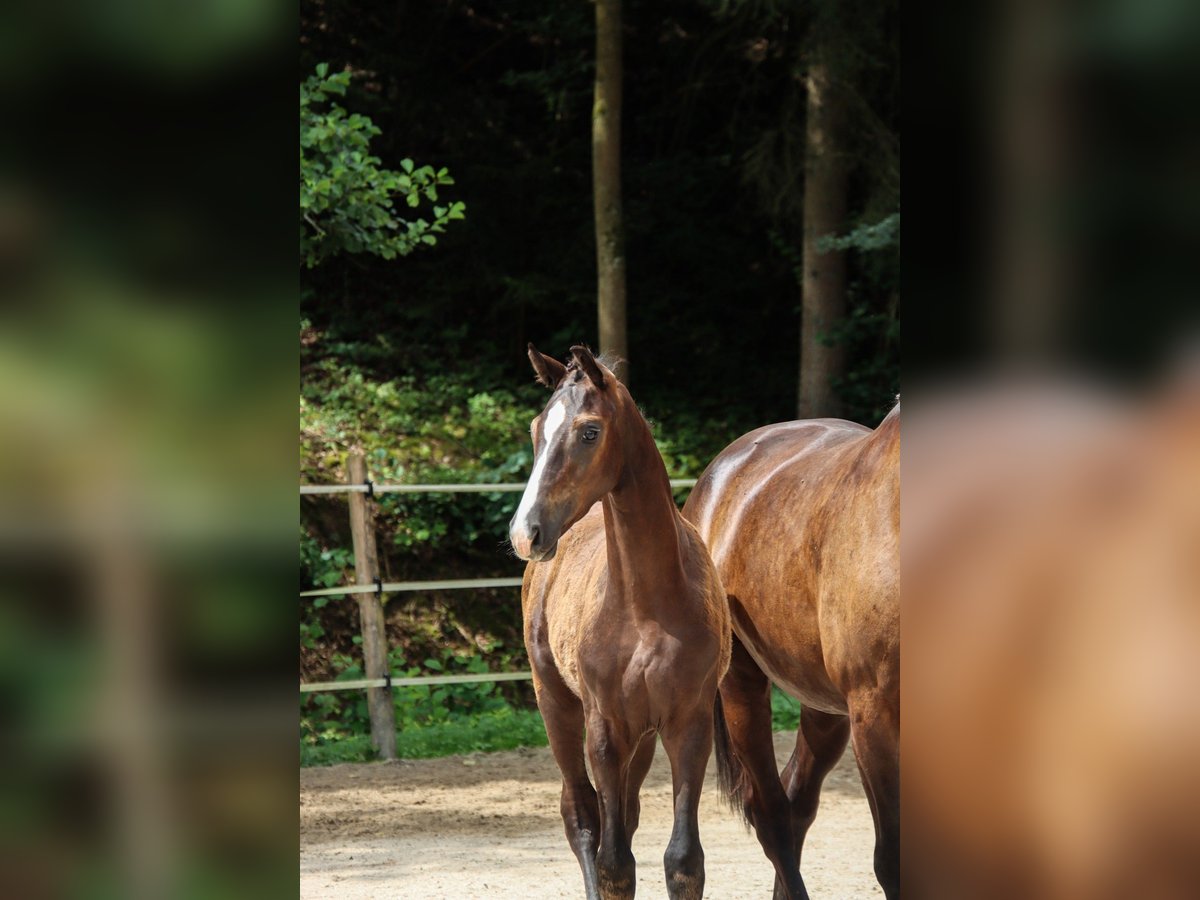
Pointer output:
x,y
348,201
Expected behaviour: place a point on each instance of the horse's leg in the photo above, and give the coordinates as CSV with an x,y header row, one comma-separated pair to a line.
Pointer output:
x,y
562,713
688,747
820,741
609,751
643,756
580,811
875,736
746,703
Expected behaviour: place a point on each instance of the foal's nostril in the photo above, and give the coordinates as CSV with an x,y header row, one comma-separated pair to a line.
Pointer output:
x,y
534,534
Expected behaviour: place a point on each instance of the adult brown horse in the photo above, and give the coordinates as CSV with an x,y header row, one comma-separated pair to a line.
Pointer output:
x,y
625,622
802,520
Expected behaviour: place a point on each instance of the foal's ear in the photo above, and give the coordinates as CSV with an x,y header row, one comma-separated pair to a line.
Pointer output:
x,y
549,370
587,362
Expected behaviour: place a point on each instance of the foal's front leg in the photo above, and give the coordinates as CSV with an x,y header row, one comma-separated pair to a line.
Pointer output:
x,y
609,751
688,745
562,712
563,715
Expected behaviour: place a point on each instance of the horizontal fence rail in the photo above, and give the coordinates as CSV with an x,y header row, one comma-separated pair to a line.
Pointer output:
x,y
412,681
390,587
498,488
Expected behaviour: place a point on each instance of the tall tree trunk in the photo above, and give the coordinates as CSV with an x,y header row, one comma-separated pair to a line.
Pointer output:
x,y
606,185
823,286
1035,146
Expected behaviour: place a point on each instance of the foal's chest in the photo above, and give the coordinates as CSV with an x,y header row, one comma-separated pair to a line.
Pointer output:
x,y
595,659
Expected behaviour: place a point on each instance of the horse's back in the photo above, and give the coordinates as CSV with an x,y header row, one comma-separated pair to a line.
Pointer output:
x,y
762,461
801,519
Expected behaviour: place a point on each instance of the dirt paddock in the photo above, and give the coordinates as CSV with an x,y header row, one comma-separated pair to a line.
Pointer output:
x,y
488,825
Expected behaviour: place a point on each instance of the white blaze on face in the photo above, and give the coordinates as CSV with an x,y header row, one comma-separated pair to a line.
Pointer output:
x,y
520,536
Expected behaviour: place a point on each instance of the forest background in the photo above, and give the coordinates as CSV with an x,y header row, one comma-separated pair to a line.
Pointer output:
x,y
447,220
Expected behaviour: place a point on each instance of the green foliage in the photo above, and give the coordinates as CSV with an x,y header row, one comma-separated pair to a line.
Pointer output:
x,y
785,711
429,705
334,749
322,568
502,729
427,430
416,704
346,197
867,236
327,568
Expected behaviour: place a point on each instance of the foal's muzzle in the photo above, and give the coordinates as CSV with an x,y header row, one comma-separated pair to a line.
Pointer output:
x,y
532,541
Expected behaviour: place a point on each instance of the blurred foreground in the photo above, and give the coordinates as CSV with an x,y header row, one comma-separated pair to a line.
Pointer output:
x,y
1050,528
147,494
1051,584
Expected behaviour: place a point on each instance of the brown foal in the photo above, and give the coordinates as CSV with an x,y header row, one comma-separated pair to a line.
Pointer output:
x,y
802,520
626,623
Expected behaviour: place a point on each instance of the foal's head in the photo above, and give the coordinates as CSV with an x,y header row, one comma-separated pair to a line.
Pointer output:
x,y
577,448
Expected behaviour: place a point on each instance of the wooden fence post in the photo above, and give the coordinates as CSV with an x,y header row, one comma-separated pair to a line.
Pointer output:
x,y
370,610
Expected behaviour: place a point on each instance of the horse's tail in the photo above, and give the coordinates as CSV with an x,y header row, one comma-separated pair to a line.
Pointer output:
x,y
731,775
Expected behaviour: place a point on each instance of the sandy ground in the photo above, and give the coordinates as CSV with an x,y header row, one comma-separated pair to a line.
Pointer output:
x,y
487,825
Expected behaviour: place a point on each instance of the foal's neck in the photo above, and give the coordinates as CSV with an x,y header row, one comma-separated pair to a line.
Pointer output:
x,y
641,523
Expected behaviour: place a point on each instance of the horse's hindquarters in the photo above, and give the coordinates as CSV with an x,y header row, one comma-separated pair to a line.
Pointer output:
x,y
803,522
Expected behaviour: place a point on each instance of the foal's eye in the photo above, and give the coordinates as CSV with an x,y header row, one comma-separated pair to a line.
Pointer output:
x,y
590,434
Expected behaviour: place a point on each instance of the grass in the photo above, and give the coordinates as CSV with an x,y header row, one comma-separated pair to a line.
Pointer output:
x,y
502,729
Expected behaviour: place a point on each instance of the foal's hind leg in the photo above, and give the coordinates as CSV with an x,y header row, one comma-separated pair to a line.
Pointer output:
x,y
746,704
875,734
820,741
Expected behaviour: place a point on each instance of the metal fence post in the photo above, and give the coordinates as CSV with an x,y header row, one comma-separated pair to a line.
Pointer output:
x,y
370,610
